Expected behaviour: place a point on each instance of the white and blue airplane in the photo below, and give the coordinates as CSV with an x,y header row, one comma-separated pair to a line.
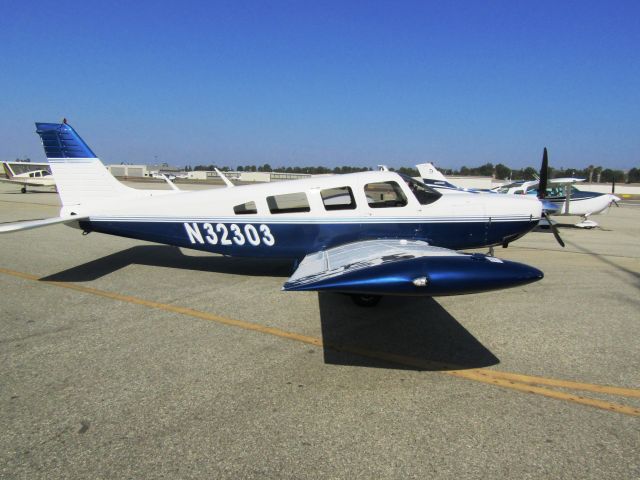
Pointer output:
x,y
364,234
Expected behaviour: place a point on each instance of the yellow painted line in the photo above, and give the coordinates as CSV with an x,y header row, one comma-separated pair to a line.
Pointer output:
x,y
171,308
545,392
514,381
553,382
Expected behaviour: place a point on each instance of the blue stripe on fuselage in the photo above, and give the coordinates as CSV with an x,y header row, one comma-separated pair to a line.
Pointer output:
x,y
297,240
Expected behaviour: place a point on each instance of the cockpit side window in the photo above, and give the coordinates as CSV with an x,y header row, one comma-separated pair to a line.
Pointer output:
x,y
384,195
425,195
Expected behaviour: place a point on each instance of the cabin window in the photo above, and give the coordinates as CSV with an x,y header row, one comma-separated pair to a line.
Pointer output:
x,y
339,198
384,195
423,194
288,203
245,208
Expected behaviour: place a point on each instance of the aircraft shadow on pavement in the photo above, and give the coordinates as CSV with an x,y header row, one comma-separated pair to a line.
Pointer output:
x,y
171,257
413,333
410,333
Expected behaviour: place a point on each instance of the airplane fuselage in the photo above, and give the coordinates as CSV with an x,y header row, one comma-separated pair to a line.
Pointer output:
x,y
291,219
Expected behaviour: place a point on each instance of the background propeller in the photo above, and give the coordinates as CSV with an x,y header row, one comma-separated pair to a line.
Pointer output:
x,y
613,190
542,193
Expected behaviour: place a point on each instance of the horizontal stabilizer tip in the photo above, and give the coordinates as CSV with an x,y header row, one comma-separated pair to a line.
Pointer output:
x,y
29,224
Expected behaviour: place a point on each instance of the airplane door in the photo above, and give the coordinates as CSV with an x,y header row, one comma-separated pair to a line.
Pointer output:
x,y
442,227
475,214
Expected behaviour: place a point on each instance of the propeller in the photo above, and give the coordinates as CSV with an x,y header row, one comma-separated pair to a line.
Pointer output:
x,y
613,191
542,192
553,228
544,172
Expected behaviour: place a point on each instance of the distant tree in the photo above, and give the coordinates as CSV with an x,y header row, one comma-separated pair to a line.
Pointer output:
x,y
590,173
529,173
412,172
608,175
634,175
464,171
598,172
486,170
502,172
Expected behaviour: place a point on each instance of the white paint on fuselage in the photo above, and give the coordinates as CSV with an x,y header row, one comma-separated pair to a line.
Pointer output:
x,y
218,203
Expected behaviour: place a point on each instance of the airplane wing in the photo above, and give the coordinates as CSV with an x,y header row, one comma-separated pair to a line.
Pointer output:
x,y
565,181
405,267
29,224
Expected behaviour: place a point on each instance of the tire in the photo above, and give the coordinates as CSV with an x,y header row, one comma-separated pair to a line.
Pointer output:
x,y
366,301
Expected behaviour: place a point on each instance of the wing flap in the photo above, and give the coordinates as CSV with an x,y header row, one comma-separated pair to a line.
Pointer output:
x,y
405,267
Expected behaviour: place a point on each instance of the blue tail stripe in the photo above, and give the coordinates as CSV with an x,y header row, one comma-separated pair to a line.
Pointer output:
x,y
61,141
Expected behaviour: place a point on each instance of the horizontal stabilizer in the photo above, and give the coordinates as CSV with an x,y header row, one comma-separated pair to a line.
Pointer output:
x,y
29,224
403,267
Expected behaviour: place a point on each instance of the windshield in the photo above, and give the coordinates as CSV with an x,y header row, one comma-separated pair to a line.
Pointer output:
x,y
425,195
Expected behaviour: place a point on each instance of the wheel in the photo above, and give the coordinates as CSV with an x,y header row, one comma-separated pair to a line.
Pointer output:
x,y
366,300
23,189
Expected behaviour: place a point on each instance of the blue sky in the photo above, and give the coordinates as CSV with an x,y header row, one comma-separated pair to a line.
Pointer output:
x,y
327,83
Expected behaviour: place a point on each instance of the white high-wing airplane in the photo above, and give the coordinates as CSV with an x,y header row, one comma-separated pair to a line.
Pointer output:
x,y
40,177
560,198
566,197
364,234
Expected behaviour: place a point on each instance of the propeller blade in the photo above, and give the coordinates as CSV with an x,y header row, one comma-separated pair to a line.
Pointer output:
x,y
613,186
554,229
544,168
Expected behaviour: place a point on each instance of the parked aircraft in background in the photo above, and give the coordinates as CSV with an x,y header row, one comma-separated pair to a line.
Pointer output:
x,y
566,197
27,174
364,234
431,176
560,196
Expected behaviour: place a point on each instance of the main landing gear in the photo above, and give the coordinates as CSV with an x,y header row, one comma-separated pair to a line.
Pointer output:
x,y
366,300
23,189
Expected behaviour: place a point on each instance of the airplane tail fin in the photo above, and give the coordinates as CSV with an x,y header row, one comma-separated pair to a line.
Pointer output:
x,y
79,174
7,170
429,172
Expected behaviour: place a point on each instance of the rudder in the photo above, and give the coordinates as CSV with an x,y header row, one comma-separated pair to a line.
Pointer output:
x,y
80,176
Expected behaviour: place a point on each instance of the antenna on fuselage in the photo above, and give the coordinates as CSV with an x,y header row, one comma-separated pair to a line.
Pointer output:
x,y
224,179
